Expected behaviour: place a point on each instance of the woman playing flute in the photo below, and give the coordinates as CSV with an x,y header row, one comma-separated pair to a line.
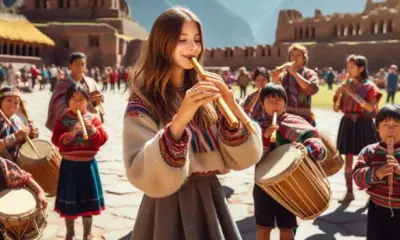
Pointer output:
x,y
175,142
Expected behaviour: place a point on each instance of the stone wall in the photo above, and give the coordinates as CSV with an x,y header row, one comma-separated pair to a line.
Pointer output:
x,y
379,20
379,54
329,38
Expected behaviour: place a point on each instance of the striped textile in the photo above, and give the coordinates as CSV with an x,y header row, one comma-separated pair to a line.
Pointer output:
x,y
293,128
369,160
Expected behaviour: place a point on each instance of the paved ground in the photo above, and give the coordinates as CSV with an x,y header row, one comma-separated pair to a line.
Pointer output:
x,y
123,200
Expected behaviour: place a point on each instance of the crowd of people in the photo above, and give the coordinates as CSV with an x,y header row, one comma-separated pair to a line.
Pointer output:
x,y
27,77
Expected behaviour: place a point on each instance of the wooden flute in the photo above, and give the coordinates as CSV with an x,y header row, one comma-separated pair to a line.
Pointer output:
x,y
273,135
281,67
85,135
390,152
339,99
226,111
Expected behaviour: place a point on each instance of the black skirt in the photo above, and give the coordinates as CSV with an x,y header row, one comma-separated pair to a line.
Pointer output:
x,y
353,136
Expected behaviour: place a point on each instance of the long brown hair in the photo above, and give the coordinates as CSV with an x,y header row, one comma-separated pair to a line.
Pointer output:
x,y
152,72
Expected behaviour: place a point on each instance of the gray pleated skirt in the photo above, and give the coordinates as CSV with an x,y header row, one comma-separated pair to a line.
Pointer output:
x,y
198,211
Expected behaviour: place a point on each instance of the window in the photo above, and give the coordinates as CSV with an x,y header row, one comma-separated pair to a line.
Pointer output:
x,y
300,33
389,26
269,52
295,33
381,28
37,3
351,30
17,50
262,52
313,32
94,41
335,31
5,45
279,52
65,43
372,29
60,3
11,49
358,29
246,53
307,33
343,30
30,51
36,51
24,50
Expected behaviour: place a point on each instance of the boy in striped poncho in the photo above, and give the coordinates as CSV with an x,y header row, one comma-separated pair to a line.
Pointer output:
x,y
371,172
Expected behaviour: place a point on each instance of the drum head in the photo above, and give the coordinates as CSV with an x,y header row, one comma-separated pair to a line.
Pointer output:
x,y
274,166
17,202
45,148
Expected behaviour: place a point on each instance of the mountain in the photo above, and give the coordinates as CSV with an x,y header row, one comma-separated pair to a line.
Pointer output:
x,y
214,16
239,22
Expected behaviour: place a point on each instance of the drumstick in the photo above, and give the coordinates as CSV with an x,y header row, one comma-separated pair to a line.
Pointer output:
x,y
230,117
85,135
273,135
26,138
25,111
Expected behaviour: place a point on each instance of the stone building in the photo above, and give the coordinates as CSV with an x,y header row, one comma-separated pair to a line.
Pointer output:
x,y
375,33
101,29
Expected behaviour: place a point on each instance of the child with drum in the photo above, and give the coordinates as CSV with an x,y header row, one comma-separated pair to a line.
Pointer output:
x,y
358,98
11,137
288,128
12,176
79,134
377,170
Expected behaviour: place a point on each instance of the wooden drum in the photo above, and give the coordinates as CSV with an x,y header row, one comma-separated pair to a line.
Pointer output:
x,y
333,161
290,177
20,216
44,168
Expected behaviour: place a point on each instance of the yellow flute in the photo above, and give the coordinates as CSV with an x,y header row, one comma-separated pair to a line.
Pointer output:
x,y
281,67
390,153
339,99
85,135
273,135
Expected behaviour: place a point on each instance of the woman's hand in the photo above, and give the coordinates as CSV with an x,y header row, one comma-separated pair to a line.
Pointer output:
x,y
200,94
226,93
